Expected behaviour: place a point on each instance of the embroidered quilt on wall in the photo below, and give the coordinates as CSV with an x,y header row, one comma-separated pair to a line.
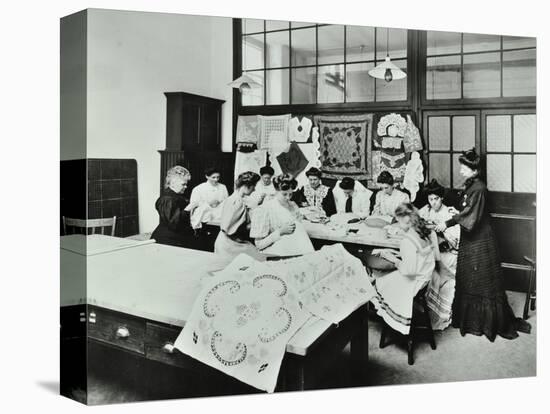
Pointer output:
x,y
345,145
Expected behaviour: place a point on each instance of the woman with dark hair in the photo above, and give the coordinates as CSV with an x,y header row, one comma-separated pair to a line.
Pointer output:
x,y
315,194
234,236
480,306
208,196
276,225
174,210
415,264
388,198
264,189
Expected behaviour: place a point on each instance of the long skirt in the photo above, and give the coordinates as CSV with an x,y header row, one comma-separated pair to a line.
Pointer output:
x,y
441,292
394,299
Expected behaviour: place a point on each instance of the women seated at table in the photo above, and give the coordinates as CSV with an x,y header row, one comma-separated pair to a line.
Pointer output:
x,y
316,195
234,236
174,210
276,225
441,289
388,198
352,197
208,197
264,189
414,264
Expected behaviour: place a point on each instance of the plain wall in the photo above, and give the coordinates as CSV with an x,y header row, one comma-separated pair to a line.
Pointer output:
x,y
73,86
132,59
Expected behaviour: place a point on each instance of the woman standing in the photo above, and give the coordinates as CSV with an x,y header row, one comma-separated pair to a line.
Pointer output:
x,y
174,210
276,225
234,235
415,264
480,306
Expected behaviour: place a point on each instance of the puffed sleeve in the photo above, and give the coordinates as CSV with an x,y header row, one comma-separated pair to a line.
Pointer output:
x,y
196,194
376,209
405,197
259,223
224,192
329,205
172,212
408,252
472,213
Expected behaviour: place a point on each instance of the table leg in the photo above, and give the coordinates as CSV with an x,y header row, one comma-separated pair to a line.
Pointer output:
x,y
359,347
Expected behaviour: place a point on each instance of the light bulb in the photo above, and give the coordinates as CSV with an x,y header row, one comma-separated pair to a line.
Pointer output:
x,y
388,77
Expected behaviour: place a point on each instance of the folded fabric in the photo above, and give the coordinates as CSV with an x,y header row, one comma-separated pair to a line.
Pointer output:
x,y
293,161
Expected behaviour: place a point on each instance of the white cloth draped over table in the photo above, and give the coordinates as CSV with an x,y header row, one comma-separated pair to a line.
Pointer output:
x,y
361,199
246,314
205,195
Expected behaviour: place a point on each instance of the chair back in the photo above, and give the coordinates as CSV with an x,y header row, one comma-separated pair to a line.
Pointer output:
x,y
93,224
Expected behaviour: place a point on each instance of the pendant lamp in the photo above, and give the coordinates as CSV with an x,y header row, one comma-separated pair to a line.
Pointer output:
x,y
387,70
244,82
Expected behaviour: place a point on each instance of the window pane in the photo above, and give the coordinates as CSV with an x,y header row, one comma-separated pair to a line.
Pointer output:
x,y
303,47
525,133
439,129
514,42
300,24
464,132
482,75
331,44
458,179
443,43
253,52
277,87
359,43
396,90
253,26
499,133
359,84
440,169
443,77
277,49
499,172
525,173
397,43
480,42
254,96
519,73
303,85
276,25
330,84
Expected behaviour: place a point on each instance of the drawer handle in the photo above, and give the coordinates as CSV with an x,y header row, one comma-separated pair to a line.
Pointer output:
x,y
168,348
122,332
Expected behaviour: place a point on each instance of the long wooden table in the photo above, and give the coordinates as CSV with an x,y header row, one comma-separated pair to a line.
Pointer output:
x,y
137,295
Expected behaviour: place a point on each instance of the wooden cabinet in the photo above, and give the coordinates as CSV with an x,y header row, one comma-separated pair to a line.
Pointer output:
x,y
193,122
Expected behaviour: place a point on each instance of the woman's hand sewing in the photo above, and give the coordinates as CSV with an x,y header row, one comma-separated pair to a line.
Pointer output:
x,y
287,228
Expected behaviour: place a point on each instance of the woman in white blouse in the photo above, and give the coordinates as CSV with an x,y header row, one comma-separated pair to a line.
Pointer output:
x,y
208,196
388,198
276,225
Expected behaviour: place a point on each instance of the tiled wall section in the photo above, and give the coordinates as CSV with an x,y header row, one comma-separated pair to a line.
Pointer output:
x,y
112,191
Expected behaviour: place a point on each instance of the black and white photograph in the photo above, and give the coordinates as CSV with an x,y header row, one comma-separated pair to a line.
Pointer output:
x,y
260,206
279,207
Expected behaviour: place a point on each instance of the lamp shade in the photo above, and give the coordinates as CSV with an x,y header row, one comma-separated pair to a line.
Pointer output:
x,y
387,71
244,81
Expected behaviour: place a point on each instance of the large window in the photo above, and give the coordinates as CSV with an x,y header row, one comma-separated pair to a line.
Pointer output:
x,y
470,66
308,63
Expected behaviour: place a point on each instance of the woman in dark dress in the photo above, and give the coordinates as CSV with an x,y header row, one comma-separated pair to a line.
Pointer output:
x,y
174,210
480,306
315,194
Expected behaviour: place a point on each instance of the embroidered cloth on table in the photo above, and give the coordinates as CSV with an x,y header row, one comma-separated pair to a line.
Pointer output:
x,y
331,282
299,130
251,161
293,161
274,133
345,145
242,321
248,129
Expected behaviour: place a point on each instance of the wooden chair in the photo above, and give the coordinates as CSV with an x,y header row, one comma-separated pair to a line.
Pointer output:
x,y
92,223
420,320
530,297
